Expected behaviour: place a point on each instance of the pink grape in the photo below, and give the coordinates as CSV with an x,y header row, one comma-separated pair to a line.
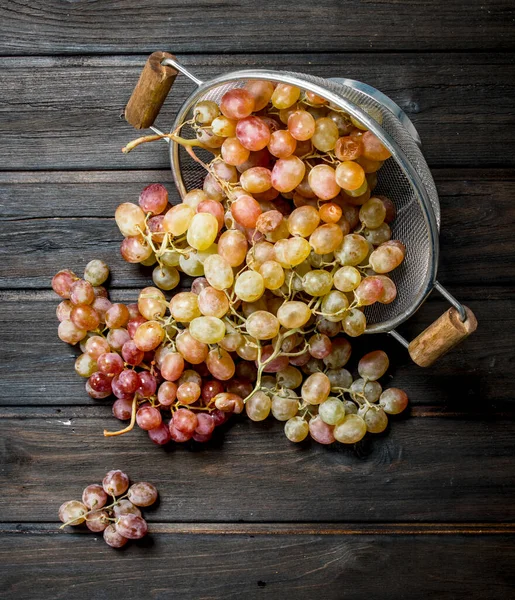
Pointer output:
x,y
100,382
237,103
113,538
177,435
62,282
184,420
110,364
261,91
321,432
115,483
81,292
131,527
122,409
147,384
128,381
97,520
94,496
253,133
131,354
148,417
125,507
142,494
160,435
288,173
154,198
206,424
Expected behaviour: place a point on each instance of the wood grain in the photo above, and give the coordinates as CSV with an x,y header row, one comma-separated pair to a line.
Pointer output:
x,y
65,113
52,220
107,26
186,566
428,470
36,368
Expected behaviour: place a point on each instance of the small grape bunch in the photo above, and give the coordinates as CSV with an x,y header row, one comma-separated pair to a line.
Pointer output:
x,y
121,520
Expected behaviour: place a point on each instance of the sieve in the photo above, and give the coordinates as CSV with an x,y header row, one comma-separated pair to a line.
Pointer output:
x,y
405,178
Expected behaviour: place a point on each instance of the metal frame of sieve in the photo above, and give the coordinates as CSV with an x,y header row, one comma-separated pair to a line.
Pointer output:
x,y
405,178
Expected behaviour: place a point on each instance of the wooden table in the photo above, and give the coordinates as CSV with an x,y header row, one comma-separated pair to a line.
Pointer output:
x,y
425,510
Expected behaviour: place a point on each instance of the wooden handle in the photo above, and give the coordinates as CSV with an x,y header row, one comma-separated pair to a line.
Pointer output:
x,y
150,92
442,335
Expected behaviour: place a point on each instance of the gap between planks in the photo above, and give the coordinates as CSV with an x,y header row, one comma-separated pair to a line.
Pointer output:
x,y
271,529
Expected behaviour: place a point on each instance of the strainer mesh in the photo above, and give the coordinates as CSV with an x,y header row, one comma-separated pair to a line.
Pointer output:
x,y
409,226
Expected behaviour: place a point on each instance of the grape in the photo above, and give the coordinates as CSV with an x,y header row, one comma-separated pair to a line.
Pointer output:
x,y
288,173
353,250
237,103
122,409
327,327
249,286
371,390
331,213
172,366
68,332
319,345
218,272
73,511
154,198
131,354
373,149
128,381
326,238
142,494
347,279
177,220
117,316
94,394
135,249
332,411
373,365
233,152
232,246
351,430
62,282
149,335
167,393
316,388
293,314
258,406
317,282
375,418
275,365
130,219
289,377
301,125
350,175
348,148
253,133
282,144
220,364
379,235
125,507
131,527
166,278
133,325
342,121
81,292
97,520
340,354
115,483
64,310
393,401
191,349
261,91
326,134
245,211
113,538
372,213
296,429
85,366
184,307
369,291
273,274
322,180
160,435
202,231
262,325
339,378
284,407
185,420
94,496
208,330
205,111
303,221
285,95
100,383
387,256
321,432
96,272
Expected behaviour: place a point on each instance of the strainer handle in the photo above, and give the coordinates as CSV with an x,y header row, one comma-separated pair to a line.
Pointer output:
x,y
151,91
441,336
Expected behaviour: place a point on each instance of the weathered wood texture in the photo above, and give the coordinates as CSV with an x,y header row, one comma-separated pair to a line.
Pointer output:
x,y
130,26
53,220
60,113
253,473
259,566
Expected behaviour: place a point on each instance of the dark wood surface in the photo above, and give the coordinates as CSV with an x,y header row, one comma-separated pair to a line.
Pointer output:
x,y
425,510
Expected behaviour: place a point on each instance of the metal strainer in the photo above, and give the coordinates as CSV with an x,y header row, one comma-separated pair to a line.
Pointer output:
x,y
405,178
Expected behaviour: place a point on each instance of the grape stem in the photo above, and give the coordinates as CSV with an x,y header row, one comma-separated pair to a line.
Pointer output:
x,y
130,426
172,136
91,510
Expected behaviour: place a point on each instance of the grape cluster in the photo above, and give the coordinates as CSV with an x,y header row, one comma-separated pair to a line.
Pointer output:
x,y
329,404
286,221
131,352
120,520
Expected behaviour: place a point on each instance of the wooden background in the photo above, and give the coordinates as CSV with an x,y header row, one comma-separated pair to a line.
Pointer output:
x,y
425,510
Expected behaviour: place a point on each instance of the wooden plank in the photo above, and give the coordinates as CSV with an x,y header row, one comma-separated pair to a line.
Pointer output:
x,y
52,220
272,566
50,27
422,470
64,113
37,368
